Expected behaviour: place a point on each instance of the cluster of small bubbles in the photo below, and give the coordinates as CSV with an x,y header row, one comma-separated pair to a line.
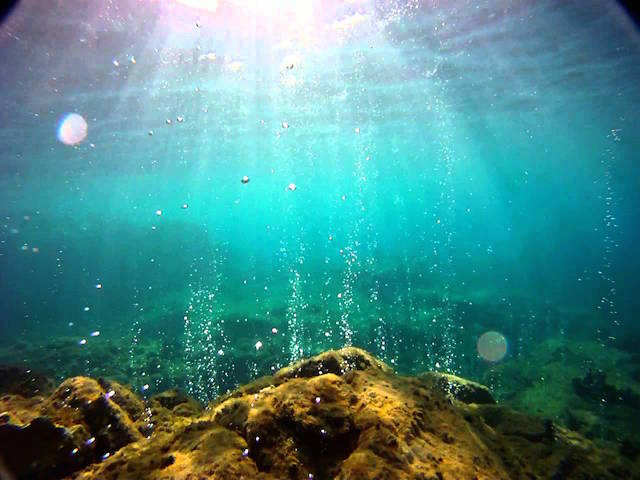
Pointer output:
x,y
381,338
136,331
345,297
206,342
607,304
443,213
293,320
147,420
253,369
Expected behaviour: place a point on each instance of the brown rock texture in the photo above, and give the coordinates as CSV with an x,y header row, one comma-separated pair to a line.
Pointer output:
x,y
340,415
82,421
457,388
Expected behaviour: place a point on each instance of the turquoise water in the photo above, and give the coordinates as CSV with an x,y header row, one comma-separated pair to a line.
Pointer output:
x,y
459,168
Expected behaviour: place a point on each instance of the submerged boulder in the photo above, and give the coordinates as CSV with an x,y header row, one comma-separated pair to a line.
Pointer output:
x,y
82,421
107,411
458,388
38,450
337,362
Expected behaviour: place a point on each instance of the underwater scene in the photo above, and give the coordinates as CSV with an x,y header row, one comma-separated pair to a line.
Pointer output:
x,y
298,239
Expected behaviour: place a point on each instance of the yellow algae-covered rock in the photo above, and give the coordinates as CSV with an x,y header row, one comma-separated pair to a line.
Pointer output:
x,y
107,410
334,361
172,399
82,421
457,388
340,415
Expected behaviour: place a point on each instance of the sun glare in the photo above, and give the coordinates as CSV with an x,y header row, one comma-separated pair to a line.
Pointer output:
x,y
209,5
267,9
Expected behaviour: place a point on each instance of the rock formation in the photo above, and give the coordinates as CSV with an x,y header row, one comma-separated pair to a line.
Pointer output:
x,y
342,414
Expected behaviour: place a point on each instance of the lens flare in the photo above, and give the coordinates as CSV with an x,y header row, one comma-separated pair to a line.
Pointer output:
x,y
72,129
492,346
